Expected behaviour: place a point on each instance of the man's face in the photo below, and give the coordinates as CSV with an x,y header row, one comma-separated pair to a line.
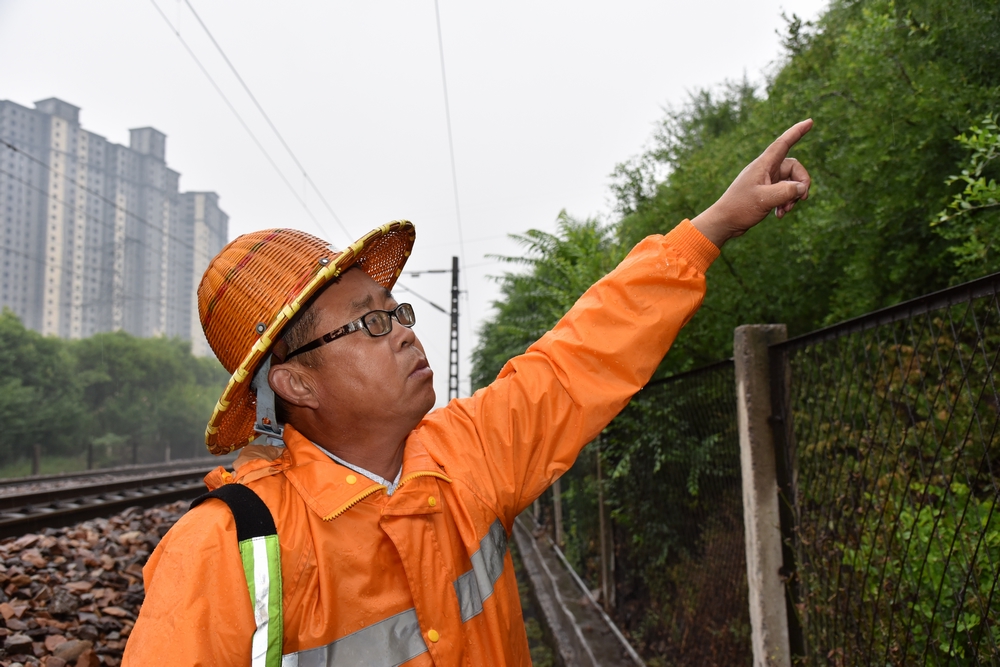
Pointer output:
x,y
363,378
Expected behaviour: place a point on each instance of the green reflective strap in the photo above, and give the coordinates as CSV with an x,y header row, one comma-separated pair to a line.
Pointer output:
x,y
262,566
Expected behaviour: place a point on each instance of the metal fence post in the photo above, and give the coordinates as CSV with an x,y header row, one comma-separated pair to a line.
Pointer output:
x,y
604,526
786,463
761,515
557,514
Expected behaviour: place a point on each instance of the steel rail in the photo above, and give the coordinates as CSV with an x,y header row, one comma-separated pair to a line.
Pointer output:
x,y
52,508
119,471
49,496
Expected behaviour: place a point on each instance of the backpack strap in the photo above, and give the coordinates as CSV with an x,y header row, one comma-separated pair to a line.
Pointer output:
x,y
261,555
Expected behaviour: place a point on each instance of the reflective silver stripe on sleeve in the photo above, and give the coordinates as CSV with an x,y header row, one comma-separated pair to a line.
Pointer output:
x,y
387,643
474,586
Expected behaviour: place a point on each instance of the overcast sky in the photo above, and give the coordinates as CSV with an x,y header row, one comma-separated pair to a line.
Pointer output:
x,y
546,97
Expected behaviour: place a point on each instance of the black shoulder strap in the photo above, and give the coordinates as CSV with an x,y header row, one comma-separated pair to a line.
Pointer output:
x,y
253,518
260,553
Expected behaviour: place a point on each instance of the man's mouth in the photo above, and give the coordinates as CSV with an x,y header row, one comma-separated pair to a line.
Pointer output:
x,y
422,368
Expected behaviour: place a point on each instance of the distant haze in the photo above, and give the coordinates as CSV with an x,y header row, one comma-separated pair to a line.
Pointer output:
x,y
545,99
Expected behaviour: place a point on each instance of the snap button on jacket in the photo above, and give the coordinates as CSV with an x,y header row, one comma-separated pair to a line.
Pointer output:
x,y
422,577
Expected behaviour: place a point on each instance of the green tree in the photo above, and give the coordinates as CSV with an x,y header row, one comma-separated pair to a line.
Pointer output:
x,y
972,219
146,394
128,396
39,393
560,268
889,85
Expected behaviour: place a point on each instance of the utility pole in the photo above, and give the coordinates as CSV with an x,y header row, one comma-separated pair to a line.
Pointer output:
x,y
453,341
453,345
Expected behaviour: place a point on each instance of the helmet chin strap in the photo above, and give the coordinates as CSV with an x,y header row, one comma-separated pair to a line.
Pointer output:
x,y
267,421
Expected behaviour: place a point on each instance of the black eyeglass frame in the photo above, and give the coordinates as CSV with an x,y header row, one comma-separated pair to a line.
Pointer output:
x,y
359,324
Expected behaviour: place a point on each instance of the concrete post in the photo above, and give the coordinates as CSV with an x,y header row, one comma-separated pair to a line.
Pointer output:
x,y
761,517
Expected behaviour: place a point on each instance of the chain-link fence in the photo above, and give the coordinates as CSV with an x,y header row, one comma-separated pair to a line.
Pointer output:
x,y
893,530
671,483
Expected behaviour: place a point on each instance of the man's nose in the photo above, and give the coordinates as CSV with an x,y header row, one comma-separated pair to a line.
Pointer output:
x,y
401,336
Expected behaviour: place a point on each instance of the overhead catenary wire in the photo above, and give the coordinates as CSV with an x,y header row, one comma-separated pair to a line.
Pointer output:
x,y
421,297
118,207
417,274
451,144
454,356
67,263
267,118
246,127
105,223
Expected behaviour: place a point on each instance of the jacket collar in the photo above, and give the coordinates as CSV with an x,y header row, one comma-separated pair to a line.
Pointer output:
x,y
326,486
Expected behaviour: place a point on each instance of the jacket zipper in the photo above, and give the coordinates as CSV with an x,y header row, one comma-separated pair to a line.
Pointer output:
x,y
380,487
354,501
422,473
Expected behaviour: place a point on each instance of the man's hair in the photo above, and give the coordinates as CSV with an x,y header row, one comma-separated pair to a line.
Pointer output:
x,y
300,331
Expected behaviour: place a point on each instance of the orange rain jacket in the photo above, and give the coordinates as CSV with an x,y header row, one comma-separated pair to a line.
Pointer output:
x,y
423,577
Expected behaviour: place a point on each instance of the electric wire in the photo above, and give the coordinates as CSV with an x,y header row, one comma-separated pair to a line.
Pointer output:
x,y
246,127
113,204
451,143
66,264
416,274
267,118
454,185
66,302
67,261
104,223
422,298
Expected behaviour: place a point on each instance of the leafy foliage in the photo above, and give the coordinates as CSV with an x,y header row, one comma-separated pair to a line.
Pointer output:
x,y
972,220
38,392
674,485
921,557
148,392
561,268
112,390
890,84
898,533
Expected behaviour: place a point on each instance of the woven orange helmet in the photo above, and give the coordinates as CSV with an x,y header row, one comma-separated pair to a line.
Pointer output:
x,y
256,285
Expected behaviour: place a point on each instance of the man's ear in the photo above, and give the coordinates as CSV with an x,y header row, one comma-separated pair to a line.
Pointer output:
x,y
294,385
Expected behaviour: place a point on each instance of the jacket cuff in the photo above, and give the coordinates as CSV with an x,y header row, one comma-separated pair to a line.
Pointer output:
x,y
692,245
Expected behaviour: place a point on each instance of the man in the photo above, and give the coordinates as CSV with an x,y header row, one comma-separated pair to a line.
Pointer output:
x,y
393,522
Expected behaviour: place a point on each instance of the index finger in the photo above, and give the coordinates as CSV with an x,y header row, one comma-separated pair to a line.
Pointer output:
x,y
779,149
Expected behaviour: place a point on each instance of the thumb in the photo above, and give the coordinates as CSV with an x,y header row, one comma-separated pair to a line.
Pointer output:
x,y
778,194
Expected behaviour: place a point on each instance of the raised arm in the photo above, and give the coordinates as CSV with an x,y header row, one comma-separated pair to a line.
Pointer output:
x,y
513,438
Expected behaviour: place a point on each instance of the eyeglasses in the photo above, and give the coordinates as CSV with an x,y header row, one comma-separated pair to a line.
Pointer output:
x,y
375,323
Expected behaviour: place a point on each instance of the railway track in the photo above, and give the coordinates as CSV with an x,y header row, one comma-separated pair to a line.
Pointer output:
x,y
62,500
120,471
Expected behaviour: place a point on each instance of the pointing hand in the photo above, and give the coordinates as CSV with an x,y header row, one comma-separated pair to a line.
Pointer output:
x,y
773,181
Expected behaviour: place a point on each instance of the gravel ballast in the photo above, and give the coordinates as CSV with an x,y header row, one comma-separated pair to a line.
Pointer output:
x,y
70,596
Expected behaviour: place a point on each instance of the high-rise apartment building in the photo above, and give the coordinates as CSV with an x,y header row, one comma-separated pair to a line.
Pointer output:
x,y
95,236
206,221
